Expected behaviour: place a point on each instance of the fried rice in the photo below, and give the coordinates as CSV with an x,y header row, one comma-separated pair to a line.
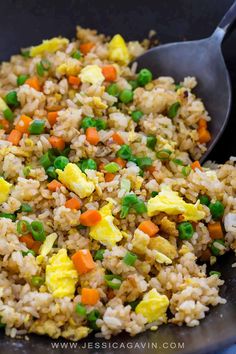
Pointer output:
x,y
107,219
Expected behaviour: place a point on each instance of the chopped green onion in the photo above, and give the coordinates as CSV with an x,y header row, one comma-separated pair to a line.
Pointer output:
x,y
80,309
99,255
37,231
163,154
133,84
136,116
178,162
25,53
88,122
61,162
204,199
112,167
101,124
25,253
23,227
154,194
11,99
124,211
88,164
125,184
144,77
46,160
66,151
134,304
186,171
21,79
37,281
132,201
186,230
126,96
113,281
173,110
92,318
217,210
130,258
143,162
40,69
151,142
124,152
214,272
25,208
37,127
214,249
8,216
51,172
178,86
8,115
113,90
140,207
26,171
45,64
77,55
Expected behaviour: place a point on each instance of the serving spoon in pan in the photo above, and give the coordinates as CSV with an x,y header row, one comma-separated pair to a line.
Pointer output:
x,y
204,60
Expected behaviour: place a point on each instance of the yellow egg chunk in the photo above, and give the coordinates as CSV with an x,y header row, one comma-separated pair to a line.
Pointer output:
x,y
48,45
153,306
61,276
171,203
105,231
118,51
4,190
92,74
75,180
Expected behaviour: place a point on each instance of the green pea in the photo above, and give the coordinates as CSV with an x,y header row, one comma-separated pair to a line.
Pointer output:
x,y
61,162
151,142
126,96
113,90
77,55
186,230
11,99
51,172
173,110
144,77
217,210
136,116
204,199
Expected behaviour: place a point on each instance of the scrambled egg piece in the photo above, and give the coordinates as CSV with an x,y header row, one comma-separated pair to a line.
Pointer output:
x,y
162,258
92,74
48,327
75,333
153,306
71,67
4,190
97,102
140,242
171,203
105,231
162,245
48,244
48,45
61,276
75,180
118,51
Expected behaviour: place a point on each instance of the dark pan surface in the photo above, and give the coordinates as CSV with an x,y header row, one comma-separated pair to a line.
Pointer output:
x,y
26,22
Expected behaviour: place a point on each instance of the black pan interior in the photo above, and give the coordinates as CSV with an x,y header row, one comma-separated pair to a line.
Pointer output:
x,y
26,22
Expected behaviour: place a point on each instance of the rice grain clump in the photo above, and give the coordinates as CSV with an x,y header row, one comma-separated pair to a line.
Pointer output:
x,y
107,219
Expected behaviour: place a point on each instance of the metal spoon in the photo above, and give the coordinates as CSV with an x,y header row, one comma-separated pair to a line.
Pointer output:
x,y
204,60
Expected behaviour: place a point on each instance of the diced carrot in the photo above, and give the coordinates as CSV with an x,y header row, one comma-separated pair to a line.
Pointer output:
x,y
57,142
149,228
73,203
36,246
14,137
118,139
120,161
151,169
90,218
204,135
109,72
52,118
83,261
54,185
110,293
92,136
215,230
86,47
33,82
180,218
23,124
109,177
101,166
202,123
89,296
196,164
28,240
4,124
74,80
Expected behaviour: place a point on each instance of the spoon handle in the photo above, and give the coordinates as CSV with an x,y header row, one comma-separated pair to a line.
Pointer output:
x,y
228,18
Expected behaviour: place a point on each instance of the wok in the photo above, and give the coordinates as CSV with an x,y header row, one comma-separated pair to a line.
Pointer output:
x,y
27,22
